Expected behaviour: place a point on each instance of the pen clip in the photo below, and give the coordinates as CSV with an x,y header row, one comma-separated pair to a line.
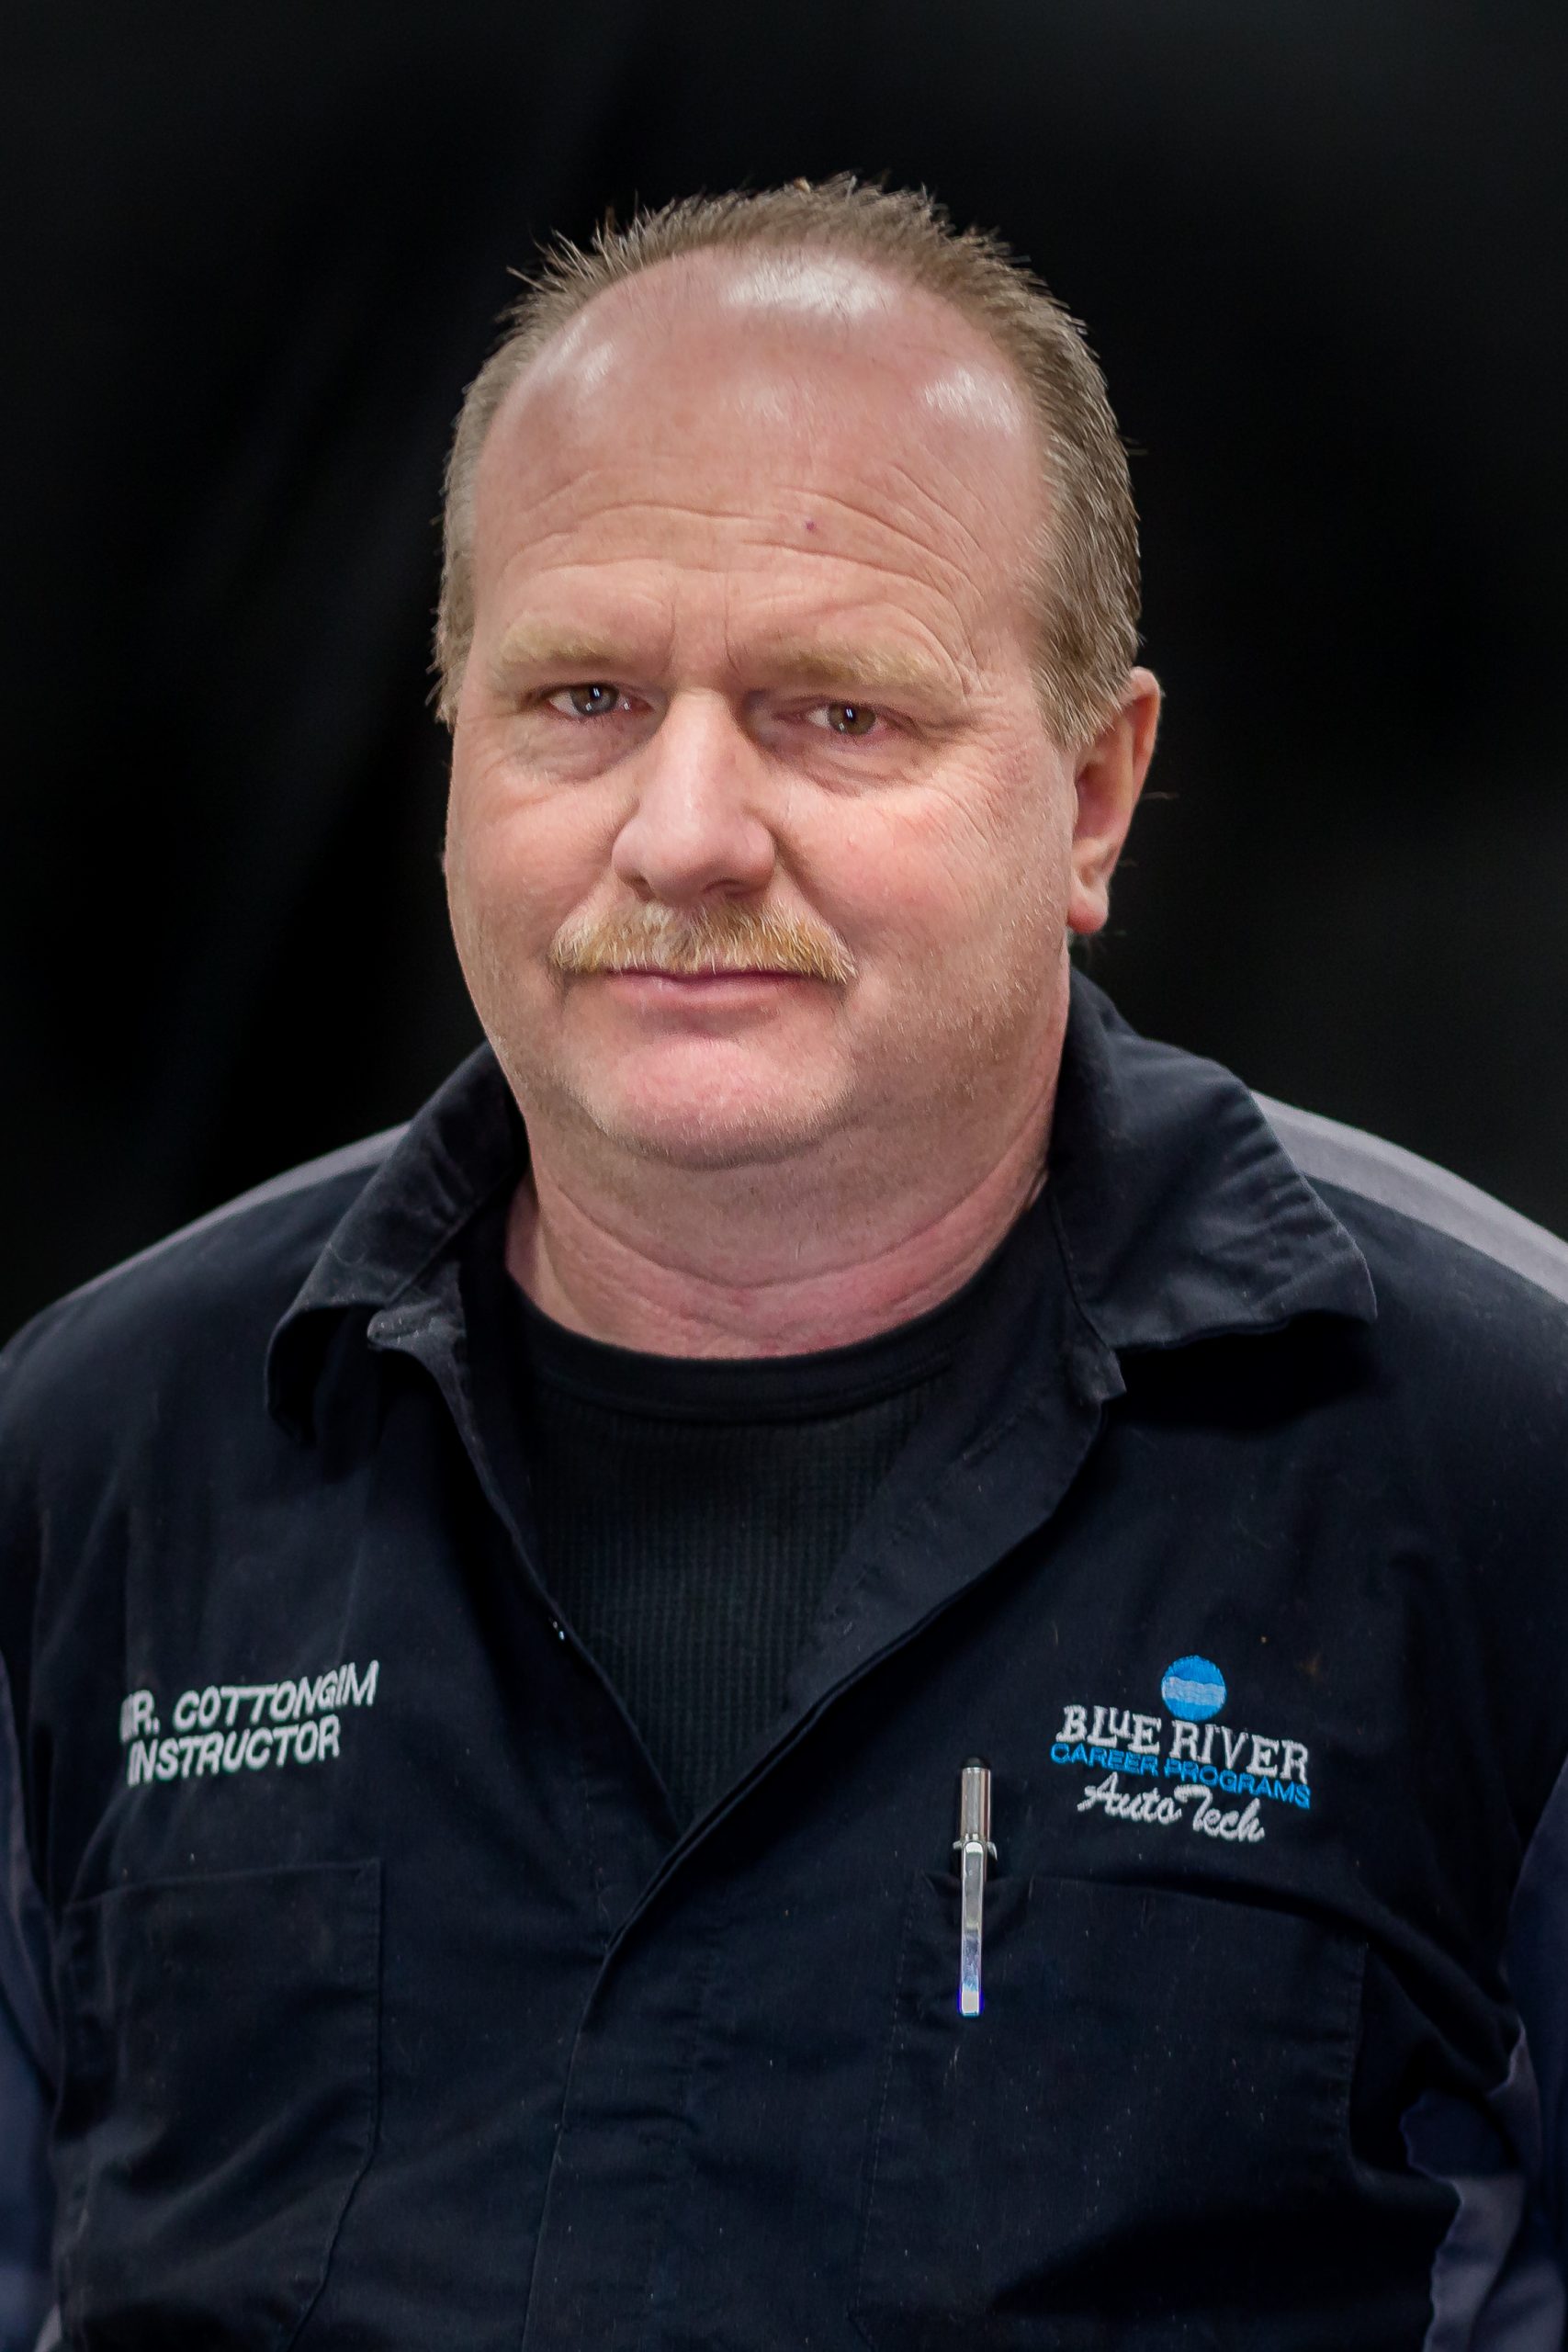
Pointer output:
x,y
974,1846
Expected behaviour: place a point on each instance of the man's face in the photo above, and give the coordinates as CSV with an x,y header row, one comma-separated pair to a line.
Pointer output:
x,y
758,844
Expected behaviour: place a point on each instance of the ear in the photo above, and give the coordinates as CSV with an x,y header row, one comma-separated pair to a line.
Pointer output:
x,y
1108,777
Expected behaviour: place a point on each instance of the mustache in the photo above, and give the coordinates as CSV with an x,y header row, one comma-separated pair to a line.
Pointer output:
x,y
688,942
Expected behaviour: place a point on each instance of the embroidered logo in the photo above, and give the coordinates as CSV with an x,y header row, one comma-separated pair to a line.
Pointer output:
x,y
1193,1689
1185,1758
242,1727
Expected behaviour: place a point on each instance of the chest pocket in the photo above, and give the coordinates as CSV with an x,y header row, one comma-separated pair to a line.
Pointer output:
x,y
219,2103
1148,2122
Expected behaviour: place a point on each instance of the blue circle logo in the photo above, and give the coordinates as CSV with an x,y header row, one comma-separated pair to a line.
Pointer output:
x,y
1193,1689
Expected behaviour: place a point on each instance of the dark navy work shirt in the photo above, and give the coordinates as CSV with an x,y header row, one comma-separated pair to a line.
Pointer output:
x,y
358,1986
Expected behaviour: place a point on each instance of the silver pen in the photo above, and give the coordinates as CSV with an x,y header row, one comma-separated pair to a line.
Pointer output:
x,y
973,1845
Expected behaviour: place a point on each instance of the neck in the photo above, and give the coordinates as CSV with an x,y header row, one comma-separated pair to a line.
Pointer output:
x,y
767,1260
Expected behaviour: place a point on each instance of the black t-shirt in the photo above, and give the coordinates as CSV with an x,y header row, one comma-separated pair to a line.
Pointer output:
x,y
688,1513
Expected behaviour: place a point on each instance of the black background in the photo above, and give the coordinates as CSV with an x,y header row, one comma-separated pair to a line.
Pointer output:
x,y
256,253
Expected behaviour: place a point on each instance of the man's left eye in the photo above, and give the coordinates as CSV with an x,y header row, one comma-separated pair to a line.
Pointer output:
x,y
844,718
594,700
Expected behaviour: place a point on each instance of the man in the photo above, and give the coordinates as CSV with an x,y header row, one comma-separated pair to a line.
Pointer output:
x,y
498,1624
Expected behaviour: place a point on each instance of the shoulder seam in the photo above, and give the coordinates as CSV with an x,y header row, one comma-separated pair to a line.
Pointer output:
x,y
1330,1153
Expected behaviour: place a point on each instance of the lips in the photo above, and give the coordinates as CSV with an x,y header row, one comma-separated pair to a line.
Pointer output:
x,y
700,987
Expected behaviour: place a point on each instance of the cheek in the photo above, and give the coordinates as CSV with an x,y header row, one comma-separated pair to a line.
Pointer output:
x,y
948,872
520,862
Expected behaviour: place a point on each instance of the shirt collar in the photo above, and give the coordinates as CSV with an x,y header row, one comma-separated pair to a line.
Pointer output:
x,y
1178,1213
1181,1217
393,1252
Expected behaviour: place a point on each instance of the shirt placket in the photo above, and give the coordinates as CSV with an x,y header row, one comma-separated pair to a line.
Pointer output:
x,y
624,2138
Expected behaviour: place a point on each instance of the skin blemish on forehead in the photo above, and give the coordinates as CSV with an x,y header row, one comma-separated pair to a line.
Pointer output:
x,y
811,521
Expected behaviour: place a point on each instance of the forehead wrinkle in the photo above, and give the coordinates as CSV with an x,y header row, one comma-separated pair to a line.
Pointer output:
x,y
926,496
955,571
902,490
856,508
581,491
595,520
883,523
672,483
953,586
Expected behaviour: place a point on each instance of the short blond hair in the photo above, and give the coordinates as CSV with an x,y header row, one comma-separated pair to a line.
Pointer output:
x,y
1087,572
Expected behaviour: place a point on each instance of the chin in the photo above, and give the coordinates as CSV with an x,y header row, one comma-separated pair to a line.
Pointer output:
x,y
708,1134
695,1111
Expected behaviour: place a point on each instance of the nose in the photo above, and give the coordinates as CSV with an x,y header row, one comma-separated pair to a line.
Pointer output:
x,y
694,830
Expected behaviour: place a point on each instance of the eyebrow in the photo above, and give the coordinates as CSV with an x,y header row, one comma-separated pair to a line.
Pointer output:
x,y
871,668
532,647
538,649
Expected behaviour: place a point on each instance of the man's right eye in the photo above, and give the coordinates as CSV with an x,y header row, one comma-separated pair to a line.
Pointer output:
x,y
594,700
